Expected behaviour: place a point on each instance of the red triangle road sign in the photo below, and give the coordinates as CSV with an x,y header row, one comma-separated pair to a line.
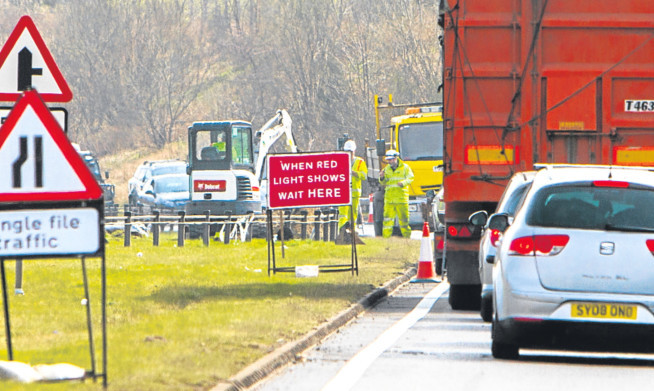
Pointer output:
x,y
37,161
26,63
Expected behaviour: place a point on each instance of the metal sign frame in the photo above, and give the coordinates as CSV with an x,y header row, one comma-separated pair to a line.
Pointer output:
x,y
353,266
298,180
100,253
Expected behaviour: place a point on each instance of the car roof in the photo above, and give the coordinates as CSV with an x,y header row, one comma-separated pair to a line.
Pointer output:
x,y
165,176
163,162
555,174
521,177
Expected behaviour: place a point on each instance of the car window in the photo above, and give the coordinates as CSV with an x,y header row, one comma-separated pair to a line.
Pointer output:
x,y
171,185
515,199
169,169
590,207
140,173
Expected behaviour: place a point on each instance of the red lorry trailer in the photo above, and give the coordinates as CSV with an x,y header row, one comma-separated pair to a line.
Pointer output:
x,y
537,81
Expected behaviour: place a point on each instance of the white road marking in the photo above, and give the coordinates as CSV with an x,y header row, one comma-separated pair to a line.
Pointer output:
x,y
357,365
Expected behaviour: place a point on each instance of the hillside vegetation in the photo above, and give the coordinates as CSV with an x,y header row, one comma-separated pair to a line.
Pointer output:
x,y
142,71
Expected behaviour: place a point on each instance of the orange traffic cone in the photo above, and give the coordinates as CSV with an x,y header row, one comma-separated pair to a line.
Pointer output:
x,y
426,262
370,211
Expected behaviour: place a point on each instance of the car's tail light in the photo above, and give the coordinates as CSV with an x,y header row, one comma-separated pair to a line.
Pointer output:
x,y
495,235
541,245
650,245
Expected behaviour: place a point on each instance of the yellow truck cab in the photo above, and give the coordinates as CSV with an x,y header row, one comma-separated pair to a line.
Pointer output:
x,y
420,144
417,135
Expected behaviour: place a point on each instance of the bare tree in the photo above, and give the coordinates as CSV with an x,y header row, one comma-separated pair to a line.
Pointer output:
x,y
142,70
171,62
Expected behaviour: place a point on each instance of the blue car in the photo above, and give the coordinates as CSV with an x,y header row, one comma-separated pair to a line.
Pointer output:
x,y
166,192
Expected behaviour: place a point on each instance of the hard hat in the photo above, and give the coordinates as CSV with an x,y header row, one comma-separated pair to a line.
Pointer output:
x,y
350,145
391,154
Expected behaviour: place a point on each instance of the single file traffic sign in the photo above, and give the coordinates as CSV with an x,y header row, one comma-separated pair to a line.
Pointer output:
x,y
39,162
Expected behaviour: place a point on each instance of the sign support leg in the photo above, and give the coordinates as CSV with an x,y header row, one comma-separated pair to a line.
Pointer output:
x,y
5,299
89,323
18,287
271,242
104,322
281,232
354,262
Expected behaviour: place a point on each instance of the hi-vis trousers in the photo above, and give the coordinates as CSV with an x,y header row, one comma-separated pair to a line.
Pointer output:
x,y
401,211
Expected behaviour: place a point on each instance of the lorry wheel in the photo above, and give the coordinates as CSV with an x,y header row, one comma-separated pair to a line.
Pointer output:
x,y
195,231
288,233
378,228
258,230
465,297
439,266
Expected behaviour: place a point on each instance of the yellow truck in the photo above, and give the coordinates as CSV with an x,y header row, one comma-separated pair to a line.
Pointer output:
x,y
417,135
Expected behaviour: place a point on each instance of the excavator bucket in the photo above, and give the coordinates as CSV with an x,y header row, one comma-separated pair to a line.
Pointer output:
x,y
345,237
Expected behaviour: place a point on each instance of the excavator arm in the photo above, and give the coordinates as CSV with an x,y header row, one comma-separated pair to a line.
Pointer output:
x,y
268,135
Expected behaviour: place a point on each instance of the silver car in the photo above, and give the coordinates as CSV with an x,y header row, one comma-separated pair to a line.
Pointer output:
x,y
575,267
509,202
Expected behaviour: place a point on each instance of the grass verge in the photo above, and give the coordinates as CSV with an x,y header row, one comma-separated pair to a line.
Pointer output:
x,y
186,318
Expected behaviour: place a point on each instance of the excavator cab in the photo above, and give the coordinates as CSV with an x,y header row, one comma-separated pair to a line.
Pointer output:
x,y
221,146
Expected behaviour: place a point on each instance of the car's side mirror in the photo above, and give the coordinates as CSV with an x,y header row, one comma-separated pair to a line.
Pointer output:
x,y
499,221
479,218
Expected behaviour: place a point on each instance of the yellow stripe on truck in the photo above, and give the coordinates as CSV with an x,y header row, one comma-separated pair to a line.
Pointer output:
x,y
489,154
633,156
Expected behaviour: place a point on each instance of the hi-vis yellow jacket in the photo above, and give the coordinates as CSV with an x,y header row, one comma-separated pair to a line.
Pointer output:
x,y
396,183
359,172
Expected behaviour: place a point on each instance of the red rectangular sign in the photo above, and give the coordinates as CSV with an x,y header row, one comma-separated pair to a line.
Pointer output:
x,y
309,180
206,186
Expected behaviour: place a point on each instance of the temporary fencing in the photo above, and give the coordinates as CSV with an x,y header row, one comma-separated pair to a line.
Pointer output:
x,y
311,224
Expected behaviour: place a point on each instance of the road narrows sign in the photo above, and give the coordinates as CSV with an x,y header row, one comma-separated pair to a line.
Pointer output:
x,y
26,63
37,160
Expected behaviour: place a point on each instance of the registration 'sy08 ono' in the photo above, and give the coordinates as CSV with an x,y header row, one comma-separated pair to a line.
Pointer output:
x,y
575,267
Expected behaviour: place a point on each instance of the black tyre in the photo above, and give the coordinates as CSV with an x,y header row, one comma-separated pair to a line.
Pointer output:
x,y
486,310
195,231
288,233
378,228
502,348
439,266
505,351
258,230
465,297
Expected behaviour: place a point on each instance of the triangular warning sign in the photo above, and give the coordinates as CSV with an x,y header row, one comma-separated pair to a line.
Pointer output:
x,y
37,161
26,63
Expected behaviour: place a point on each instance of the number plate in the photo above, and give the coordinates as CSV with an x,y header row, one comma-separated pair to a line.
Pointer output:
x,y
604,311
639,105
